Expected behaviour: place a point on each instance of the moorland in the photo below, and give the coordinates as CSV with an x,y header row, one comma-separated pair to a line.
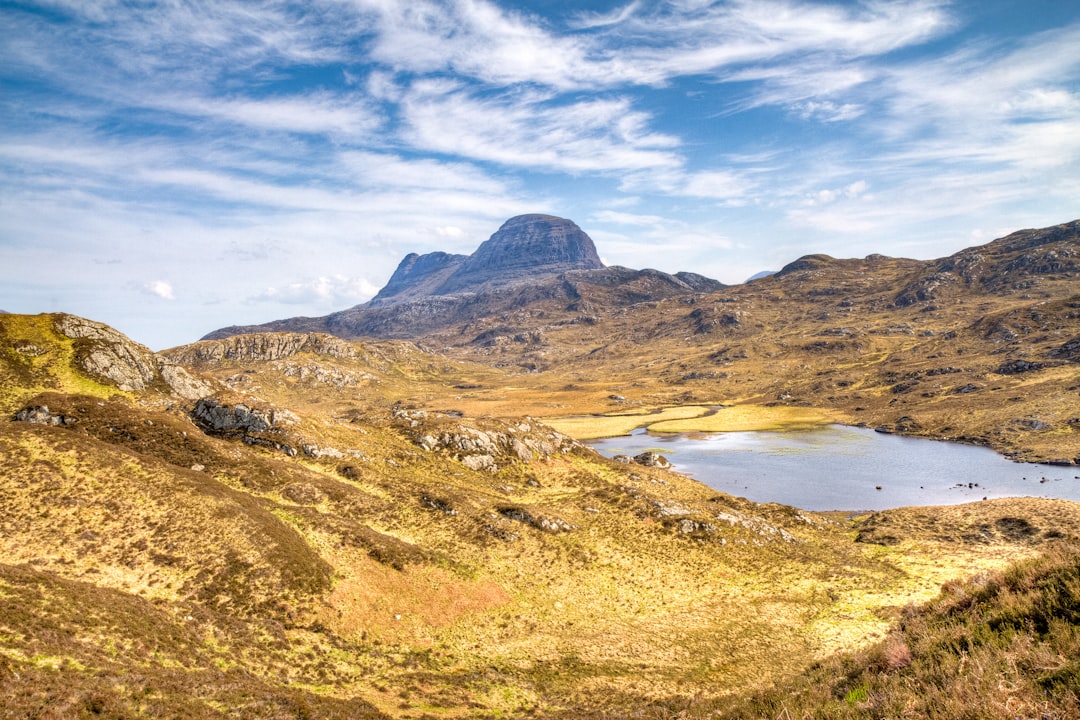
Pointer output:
x,y
304,520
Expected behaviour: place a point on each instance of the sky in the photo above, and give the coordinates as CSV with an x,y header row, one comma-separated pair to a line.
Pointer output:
x,y
173,167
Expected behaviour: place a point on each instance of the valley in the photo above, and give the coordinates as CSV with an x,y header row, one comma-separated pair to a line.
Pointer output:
x,y
306,520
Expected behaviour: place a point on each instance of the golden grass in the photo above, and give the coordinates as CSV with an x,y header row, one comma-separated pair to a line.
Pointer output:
x,y
743,418
697,418
626,611
590,427
35,358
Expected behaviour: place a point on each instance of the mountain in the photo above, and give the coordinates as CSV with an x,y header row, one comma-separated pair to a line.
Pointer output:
x,y
531,260
981,346
526,248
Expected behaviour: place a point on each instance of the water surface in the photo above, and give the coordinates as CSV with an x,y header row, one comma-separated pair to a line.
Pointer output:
x,y
845,468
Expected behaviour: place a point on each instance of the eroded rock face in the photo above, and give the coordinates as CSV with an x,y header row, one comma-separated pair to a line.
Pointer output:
x,y
262,347
525,247
109,355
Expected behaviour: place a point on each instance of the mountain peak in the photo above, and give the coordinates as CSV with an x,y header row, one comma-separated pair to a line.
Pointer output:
x,y
524,247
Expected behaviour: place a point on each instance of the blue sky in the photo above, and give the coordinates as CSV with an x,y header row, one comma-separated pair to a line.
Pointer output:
x,y
172,167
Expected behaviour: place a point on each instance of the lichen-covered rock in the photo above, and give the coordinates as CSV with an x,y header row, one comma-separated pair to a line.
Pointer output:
x,y
182,382
650,458
480,462
109,355
215,416
322,374
263,347
485,447
540,522
41,415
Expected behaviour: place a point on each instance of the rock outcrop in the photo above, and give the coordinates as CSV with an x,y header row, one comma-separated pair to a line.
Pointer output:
x,y
41,415
218,417
109,355
486,447
261,347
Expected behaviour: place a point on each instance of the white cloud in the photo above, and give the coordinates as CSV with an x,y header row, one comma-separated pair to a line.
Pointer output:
x,y
534,130
725,186
160,288
621,218
680,39
638,44
828,111
382,170
480,40
320,112
828,196
334,291
590,20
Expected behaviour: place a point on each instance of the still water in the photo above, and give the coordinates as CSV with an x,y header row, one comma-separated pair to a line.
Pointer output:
x,y
842,468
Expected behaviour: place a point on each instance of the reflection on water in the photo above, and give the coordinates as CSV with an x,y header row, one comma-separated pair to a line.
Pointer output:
x,y
845,468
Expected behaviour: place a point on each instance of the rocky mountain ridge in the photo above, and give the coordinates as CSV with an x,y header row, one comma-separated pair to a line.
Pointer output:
x,y
530,259
514,277
526,247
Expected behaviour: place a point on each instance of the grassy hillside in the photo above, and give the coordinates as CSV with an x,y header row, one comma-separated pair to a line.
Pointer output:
x,y
361,556
1000,645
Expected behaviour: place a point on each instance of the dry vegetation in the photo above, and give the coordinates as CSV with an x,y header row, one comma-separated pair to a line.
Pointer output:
x,y
394,533
981,347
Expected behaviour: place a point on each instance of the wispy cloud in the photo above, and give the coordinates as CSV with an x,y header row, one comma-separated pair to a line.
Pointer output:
x,y
319,112
535,130
327,291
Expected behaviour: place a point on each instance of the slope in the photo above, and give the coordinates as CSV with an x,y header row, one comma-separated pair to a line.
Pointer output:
x,y
334,551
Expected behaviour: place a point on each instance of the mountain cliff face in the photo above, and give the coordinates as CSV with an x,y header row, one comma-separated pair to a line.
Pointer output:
x,y
418,275
527,247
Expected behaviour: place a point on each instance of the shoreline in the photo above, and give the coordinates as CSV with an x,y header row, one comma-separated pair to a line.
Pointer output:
x,y
718,418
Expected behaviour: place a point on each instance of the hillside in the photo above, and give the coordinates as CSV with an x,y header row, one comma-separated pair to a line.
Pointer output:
x,y
286,533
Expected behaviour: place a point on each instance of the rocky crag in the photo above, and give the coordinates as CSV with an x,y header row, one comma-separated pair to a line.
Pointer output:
x,y
525,248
